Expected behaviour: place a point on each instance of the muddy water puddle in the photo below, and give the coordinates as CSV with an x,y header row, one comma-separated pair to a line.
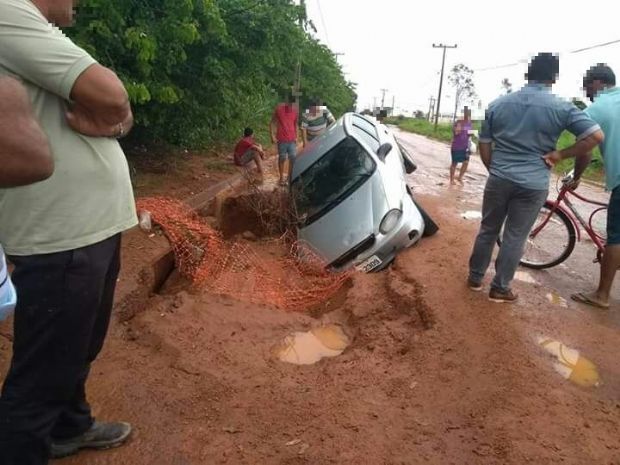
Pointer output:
x,y
570,364
556,299
472,215
307,348
525,277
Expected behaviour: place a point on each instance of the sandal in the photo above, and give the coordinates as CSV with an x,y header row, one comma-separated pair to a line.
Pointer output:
x,y
584,299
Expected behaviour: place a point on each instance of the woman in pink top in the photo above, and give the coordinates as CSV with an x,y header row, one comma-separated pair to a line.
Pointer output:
x,y
460,146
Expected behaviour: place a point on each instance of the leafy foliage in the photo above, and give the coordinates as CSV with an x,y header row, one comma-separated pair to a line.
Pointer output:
x,y
579,103
199,71
461,77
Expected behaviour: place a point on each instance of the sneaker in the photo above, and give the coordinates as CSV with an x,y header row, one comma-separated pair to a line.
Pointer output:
x,y
100,436
474,285
502,297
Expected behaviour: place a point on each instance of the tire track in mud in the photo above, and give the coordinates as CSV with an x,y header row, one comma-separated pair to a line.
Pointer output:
x,y
407,294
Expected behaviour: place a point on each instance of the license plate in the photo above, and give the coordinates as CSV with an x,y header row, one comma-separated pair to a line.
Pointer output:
x,y
369,264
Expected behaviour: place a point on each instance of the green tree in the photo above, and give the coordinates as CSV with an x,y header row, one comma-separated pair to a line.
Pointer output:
x,y
461,78
199,71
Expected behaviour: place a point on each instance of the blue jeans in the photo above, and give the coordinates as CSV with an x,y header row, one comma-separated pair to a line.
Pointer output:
x,y
516,208
287,150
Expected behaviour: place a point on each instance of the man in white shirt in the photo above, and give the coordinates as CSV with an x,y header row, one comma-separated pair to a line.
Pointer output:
x,y
63,236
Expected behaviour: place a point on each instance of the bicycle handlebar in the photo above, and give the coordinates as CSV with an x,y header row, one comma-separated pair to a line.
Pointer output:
x,y
568,177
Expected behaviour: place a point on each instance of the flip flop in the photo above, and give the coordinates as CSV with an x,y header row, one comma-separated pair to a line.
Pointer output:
x,y
584,299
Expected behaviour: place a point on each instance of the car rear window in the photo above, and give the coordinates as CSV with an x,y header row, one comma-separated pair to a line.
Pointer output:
x,y
331,179
373,144
366,132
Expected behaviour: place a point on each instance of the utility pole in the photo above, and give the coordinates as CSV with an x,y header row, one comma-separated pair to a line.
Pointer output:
x,y
393,104
383,91
443,63
374,104
297,85
431,105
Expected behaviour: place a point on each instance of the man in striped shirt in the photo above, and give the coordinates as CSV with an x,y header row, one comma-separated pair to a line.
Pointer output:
x,y
25,158
315,121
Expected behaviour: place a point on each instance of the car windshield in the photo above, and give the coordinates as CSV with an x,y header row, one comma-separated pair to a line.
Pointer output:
x,y
331,179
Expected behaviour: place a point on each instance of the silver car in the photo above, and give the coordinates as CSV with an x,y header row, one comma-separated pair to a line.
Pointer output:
x,y
351,198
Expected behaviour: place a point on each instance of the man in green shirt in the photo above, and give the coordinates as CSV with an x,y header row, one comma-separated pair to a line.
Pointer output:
x,y
315,121
62,235
600,85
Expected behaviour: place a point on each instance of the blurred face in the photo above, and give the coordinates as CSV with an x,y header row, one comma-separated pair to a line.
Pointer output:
x,y
58,12
593,88
61,12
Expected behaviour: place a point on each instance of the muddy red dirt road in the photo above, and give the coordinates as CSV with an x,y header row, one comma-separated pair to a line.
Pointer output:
x,y
434,374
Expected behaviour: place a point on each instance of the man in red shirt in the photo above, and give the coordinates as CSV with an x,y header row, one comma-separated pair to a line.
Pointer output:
x,y
283,130
247,150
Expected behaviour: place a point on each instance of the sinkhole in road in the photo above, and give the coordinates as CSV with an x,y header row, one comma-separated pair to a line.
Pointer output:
x,y
307,348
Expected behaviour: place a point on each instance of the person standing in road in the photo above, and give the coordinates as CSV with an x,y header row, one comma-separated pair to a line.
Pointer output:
x,y
600,85
63,235
460,146
283,130
518,147
315,121
25,158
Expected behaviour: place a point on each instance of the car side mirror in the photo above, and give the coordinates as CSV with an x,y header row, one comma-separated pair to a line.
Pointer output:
x,y
384,150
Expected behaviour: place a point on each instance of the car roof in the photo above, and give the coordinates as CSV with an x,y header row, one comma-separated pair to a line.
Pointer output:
x,y
327,141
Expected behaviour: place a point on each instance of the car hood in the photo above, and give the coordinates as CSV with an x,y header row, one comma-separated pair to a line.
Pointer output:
x,y
353,220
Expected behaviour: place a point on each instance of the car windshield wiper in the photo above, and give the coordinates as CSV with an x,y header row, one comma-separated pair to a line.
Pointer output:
x,y
325,207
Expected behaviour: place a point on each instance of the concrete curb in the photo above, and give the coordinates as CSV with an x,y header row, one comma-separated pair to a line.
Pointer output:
x,y
138,280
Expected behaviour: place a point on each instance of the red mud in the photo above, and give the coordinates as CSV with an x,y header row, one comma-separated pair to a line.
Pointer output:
x,y
435,375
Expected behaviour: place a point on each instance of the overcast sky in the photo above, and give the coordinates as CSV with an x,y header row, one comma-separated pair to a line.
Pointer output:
x,y
388,43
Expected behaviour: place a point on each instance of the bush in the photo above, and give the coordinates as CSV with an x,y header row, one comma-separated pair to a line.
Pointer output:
x,y
594,172
199,71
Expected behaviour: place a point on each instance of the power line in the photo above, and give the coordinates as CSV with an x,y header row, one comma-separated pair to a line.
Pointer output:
x,y
508,65
318,3
596,46
572,52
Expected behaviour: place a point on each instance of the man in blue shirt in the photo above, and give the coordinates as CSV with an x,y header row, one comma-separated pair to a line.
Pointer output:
x,y
517,145
600,85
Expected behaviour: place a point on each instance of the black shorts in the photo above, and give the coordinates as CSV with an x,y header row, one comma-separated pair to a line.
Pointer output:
x,y
613,218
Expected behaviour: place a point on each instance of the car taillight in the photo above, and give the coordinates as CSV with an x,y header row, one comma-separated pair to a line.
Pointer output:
x,y
390,220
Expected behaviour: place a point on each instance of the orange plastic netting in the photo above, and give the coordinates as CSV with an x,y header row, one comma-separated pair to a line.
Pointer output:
x,y
270,273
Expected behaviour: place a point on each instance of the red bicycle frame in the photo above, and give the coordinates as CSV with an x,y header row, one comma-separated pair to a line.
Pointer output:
x,y
575,217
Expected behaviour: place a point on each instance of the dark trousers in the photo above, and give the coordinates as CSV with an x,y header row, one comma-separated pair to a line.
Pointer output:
x,y
61,320
514,207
